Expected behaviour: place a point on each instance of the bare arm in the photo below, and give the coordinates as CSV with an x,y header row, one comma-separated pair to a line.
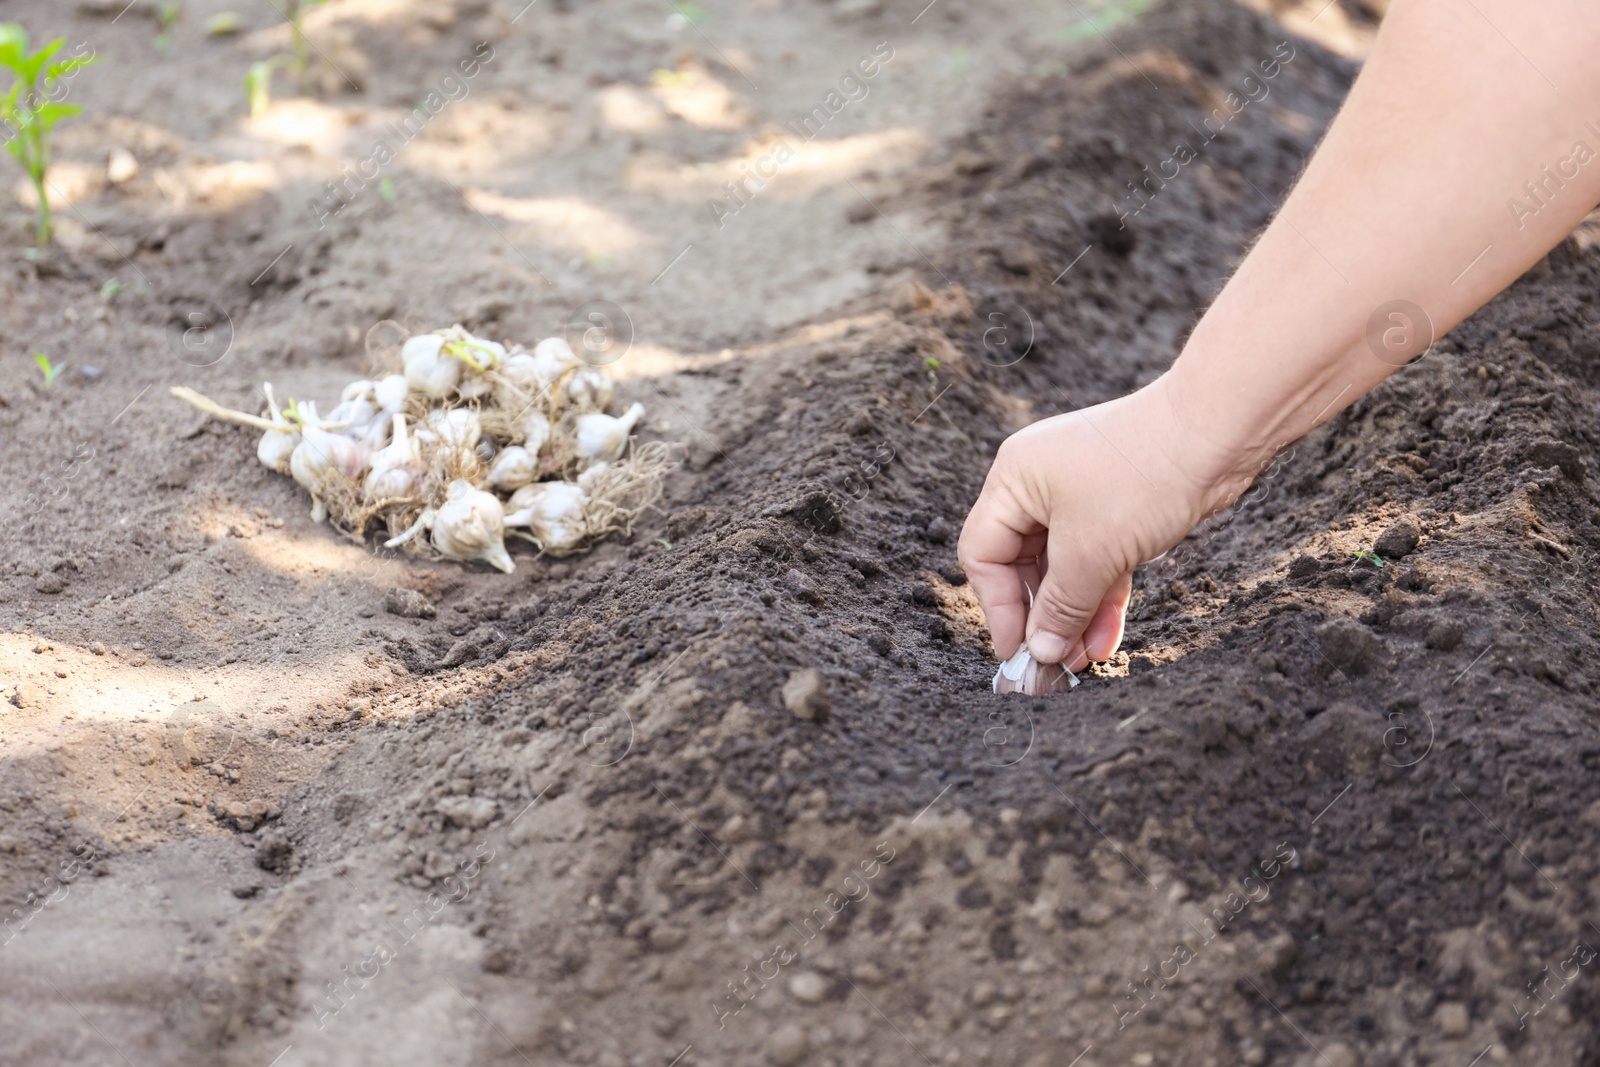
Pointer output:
x,y
1454,165
1405,220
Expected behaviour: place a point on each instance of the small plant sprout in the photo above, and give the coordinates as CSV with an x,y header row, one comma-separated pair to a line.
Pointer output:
x,y
32,107
386,190
167,13
1371,557
110,289
51,371
258,79
933,364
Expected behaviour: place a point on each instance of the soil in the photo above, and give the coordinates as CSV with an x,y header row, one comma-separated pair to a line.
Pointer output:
x,y
735,790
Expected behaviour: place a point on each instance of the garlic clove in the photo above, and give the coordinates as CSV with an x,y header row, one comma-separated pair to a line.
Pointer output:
x,y
470,526
553,512
361,389
512,469
1024,674
603,438
589,389
428,369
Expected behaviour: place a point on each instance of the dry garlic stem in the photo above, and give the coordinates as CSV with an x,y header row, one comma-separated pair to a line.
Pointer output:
x,y
602,438
553,512
1024,674
277,445
211,407
471,526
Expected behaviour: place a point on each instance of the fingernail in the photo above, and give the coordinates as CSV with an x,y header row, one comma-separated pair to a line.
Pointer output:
x,y
1047,648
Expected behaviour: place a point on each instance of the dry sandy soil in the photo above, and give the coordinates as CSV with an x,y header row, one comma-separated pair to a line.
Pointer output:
x,y
261,809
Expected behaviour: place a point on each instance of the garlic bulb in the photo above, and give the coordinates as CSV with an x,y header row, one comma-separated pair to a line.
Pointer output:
x,y
522,371
602,438
1024,674
396,471
390,393
476,352
589,389
456,428
321,456
552,358
471,526
277,445
513,468
429,370
553,512
353,415
535,432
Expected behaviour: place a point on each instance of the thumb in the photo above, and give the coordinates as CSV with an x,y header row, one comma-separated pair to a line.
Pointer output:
x,y
1069,595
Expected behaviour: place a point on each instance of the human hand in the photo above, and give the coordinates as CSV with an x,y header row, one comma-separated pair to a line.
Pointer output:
x,y
1071,506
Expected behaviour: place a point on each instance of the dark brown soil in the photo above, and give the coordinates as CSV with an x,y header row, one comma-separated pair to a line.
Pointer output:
x,y
1373,779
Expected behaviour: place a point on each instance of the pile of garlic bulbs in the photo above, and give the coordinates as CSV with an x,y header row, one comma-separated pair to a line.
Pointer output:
x,y
467,442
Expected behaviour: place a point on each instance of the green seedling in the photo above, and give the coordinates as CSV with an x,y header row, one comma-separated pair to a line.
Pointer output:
x,y
663,542
1370,557
32,107
51,371
933,364
167,13
258,79
1097,24
386,190
110,289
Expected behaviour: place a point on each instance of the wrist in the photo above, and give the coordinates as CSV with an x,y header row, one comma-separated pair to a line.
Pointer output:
x,y
1219,451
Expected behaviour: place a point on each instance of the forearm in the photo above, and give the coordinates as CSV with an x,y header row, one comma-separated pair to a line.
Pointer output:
x,y
1411,197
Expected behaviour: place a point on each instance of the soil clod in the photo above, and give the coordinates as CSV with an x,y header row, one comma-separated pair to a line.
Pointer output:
x,y
408,603
1399,540
805,694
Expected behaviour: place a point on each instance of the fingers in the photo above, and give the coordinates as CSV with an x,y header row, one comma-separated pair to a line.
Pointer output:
x,y
1104,632
1068,598
993,544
